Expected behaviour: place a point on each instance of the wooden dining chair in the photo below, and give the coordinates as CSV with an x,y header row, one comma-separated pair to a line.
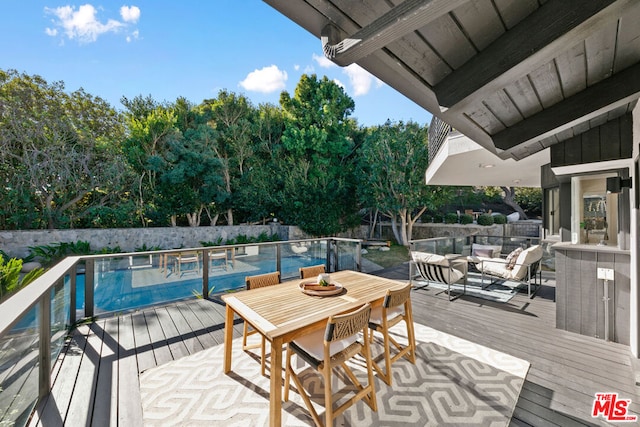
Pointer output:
x,y
313,271
395,308
254,282
328,348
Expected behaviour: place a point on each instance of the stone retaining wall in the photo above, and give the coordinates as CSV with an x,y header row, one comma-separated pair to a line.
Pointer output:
x,y
17,243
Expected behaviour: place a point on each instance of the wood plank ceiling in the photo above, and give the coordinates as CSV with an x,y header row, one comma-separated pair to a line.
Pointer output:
x,y
516,76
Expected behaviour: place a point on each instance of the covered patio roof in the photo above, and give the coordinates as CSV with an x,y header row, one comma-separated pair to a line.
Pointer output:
x,y
516,77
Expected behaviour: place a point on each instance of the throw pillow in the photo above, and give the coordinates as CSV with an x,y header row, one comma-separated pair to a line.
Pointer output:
x,y
512,258
483,253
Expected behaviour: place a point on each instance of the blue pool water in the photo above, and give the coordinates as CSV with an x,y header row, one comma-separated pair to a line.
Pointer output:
x,y
115,290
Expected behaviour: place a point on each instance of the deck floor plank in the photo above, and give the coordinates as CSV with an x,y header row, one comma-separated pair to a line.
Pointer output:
x,y
144,351
159,343
105,411
84,393
183,331
566,370
129,404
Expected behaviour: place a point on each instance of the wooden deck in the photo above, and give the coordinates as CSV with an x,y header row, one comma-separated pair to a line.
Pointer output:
x,y
96,377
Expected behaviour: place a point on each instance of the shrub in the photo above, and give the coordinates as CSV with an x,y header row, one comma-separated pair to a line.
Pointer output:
x,y
466,219
499,219
51,254
217,242
451,218
485,219
10,280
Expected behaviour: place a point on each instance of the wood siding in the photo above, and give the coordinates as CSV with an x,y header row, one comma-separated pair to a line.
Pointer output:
x,y
579,293
609,141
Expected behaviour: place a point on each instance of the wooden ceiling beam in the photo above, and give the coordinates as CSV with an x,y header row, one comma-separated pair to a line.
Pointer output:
x,y
616,91
402,19
554,27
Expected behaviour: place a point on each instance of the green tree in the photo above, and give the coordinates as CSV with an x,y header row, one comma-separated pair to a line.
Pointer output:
x,y
391,168
256,196
60,156
232,117
151,128
317,190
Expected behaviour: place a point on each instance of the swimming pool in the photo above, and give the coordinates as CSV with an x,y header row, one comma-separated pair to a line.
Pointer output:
x,y
123,289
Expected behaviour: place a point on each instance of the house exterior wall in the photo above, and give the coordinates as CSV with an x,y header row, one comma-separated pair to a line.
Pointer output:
x,y
634,297
609,147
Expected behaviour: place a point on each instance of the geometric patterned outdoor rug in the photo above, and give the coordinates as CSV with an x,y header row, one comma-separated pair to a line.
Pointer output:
x,y
454,382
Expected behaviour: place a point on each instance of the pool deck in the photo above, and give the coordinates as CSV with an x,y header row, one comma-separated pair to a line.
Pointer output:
x,y
95,379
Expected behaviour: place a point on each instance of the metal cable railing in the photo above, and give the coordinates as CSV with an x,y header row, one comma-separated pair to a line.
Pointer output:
x,y
438,133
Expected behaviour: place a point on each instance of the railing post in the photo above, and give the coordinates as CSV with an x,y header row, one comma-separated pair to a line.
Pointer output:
x,y
278,257
44,375
205,273
328,261
359,256
89,269
72,295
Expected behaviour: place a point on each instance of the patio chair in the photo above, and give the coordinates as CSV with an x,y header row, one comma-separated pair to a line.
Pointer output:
x,y
325,350
442,269
254,282
520,267
219,255
188,259
395,308
312,271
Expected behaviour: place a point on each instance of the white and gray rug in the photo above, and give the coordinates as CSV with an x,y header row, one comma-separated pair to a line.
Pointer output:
x,y
454,382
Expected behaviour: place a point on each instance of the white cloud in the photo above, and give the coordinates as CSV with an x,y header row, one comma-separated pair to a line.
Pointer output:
x,y
296,67
360,79
82,24
130,13
133,36
266,80
339,83
309,69
323,61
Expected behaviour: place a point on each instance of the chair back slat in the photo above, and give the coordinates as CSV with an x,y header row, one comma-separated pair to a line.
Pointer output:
x,y
345,325
313,271
396,297
262,280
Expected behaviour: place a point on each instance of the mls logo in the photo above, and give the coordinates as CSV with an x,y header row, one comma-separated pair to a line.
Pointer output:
x,y
611,408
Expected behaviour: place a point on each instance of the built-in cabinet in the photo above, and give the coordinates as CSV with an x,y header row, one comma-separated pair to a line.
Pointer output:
x,y
581,305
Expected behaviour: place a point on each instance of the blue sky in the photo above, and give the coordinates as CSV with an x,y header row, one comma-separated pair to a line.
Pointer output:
x,y
190,48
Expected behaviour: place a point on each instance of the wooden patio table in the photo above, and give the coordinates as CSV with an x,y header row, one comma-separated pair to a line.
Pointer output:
x,y
281,313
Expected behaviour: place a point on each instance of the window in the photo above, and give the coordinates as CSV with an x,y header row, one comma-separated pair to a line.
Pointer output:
x,y
594,212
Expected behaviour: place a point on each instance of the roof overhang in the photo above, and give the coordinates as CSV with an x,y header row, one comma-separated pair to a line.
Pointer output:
x,y
461,161
514,76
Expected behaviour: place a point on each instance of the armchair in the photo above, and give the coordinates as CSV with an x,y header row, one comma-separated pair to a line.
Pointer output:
x,y
442,269
519,268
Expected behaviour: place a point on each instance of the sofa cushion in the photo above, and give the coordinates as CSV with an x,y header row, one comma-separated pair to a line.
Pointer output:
x,y
496,267
429,257
526,257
